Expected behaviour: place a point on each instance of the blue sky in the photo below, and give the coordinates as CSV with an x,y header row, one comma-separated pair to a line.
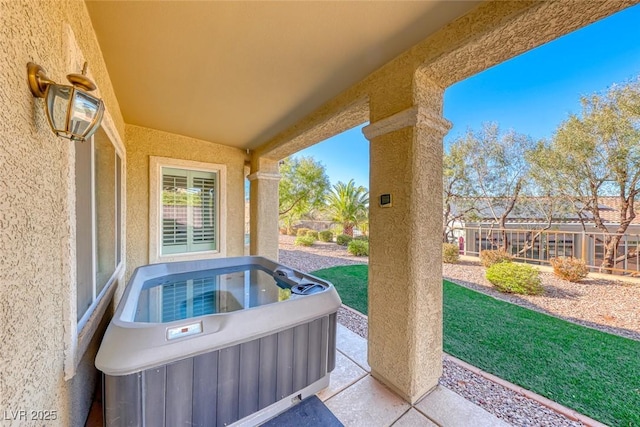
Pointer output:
x,y
532,93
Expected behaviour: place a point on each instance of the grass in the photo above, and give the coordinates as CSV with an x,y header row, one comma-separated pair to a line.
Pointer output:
x,y
595,373
351,283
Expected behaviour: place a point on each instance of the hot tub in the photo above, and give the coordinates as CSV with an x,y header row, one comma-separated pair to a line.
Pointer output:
x,y
216,342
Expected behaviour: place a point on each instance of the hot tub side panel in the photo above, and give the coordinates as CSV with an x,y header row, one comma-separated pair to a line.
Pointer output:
x,y
223,386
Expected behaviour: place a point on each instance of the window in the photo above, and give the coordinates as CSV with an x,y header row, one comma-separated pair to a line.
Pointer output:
x,y
188,211
98,217
189,298
187,219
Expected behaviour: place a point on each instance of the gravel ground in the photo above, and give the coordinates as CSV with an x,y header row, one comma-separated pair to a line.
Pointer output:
x,y
602,304
506,404
320,255
607,305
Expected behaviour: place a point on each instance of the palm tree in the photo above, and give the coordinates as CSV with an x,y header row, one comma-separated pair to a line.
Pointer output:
x,y
348,205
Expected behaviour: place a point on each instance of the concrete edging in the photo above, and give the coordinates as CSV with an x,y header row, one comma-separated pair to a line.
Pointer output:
x,y
354,311
554,406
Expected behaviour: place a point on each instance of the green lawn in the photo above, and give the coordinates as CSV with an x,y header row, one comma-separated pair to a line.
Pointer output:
x,y
351,284
595,373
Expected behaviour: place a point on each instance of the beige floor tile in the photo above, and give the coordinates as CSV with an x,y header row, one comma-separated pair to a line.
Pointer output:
x,y
367,403
346,373
353,346
414,418
449,409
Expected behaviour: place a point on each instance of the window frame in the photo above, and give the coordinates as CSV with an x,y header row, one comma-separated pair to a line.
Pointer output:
x,y
156,164
190,239
98,296
81,332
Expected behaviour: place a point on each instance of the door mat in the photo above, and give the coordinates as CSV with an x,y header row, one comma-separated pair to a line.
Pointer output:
x,y
311,412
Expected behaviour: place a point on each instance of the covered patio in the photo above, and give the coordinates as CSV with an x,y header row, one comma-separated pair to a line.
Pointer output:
x,y
220,92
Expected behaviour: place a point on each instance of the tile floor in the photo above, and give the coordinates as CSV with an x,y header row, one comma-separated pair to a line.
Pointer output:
x,y
357,399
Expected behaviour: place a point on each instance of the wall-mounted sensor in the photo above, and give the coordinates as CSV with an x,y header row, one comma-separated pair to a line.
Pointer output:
x,y
385,200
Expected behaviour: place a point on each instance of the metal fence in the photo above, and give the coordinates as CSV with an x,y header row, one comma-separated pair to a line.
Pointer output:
x,y
539,246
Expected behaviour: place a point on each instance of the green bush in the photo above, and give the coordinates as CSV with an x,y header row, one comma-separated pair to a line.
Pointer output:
x,y
325,236
362,237
514,278
304,241
313,233
569,268
489,258
450,253
302,231
358,248
343,239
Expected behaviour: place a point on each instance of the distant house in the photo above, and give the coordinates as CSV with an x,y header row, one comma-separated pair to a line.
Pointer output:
x,y
530,214
564,235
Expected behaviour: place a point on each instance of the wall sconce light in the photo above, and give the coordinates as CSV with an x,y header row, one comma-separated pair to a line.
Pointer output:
x,y
72,112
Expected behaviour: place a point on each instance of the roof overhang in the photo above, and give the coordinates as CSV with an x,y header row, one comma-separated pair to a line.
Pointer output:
x,y
239,73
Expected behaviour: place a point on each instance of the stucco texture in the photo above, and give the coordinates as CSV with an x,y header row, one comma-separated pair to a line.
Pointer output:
x,y
264,208
37,286
37,237
141,143
405,278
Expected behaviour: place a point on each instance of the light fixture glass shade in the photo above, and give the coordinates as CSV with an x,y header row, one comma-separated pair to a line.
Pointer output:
x,y
72,112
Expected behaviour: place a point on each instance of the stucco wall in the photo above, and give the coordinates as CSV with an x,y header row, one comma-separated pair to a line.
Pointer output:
x,y
141,143
492,33
37,290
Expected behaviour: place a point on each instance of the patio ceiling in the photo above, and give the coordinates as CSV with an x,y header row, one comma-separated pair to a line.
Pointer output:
x,y
239,73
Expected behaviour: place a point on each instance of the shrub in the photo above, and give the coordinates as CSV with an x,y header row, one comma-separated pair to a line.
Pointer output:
x,y
450,253
362,238
302,231
515,278
343,239
569,268
325,236
313,233
358,248
489,258
304,241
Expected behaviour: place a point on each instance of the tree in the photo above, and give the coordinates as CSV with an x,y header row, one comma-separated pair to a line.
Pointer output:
x,y
458,194
348,205
595,154
496,166
303,187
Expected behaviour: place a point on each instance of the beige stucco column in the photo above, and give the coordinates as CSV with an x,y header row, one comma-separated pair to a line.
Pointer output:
x,y
405,270
264,180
